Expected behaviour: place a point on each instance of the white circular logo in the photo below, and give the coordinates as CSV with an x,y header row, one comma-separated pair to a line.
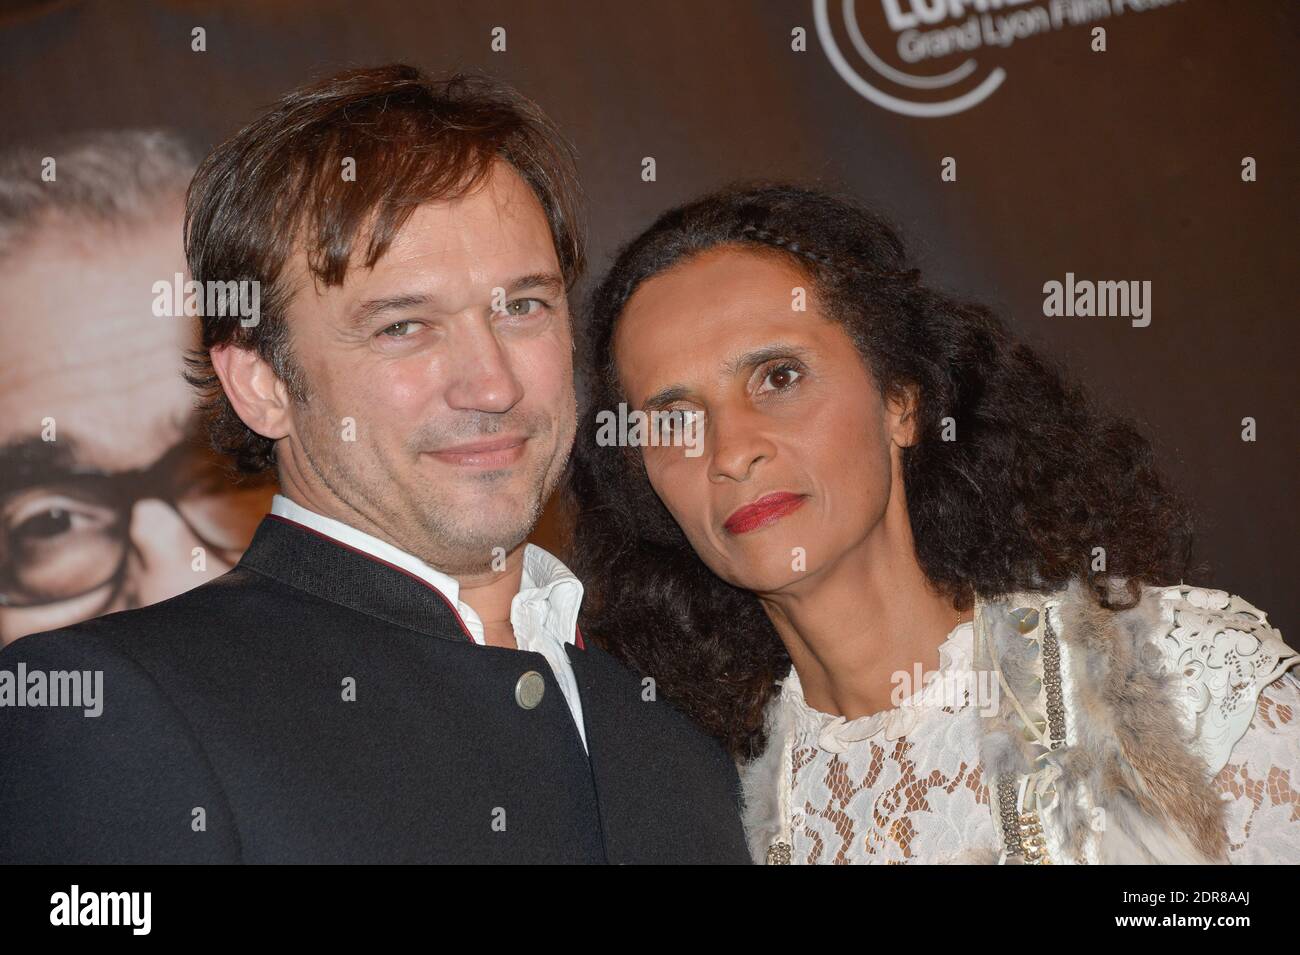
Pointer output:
x,y
925,109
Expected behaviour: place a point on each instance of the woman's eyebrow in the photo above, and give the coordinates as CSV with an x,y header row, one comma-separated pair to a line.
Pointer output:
x,y
665,396
761,356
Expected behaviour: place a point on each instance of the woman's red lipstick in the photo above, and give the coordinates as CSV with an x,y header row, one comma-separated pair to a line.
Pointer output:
x,y
766,510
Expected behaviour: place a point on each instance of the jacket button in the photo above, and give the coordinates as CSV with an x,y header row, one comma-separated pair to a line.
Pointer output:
x,y
529,689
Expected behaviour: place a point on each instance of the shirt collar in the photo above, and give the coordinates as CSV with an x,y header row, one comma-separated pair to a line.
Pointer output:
x,y
549,592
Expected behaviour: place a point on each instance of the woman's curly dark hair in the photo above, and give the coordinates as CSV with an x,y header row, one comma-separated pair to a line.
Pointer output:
x,y
1036,478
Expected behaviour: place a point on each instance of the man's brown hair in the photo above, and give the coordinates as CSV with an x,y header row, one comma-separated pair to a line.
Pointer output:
x,y
279,185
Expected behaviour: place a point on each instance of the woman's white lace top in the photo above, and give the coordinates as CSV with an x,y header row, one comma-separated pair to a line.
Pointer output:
x,y
906,784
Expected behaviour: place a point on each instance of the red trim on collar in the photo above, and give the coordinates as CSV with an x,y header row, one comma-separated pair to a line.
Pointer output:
x,y
379,560
582,645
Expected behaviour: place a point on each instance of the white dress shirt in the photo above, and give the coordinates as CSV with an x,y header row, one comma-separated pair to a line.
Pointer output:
x,y
544,614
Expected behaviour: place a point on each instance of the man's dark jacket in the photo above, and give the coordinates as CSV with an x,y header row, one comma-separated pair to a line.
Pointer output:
x,y
226,735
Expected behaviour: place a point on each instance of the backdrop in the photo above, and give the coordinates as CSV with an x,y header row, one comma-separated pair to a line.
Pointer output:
x,y
1011,142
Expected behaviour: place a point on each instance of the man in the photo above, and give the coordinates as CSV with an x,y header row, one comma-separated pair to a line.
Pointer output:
x,y
390,673
109,497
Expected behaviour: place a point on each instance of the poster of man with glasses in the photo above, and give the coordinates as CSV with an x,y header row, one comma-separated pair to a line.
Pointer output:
x,y
110,498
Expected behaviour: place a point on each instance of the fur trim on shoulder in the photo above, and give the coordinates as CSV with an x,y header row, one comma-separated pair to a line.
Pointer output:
x,y
760,784
1137,757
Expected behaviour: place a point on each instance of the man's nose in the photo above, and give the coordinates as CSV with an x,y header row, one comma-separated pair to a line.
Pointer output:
x,y
163,561
482,376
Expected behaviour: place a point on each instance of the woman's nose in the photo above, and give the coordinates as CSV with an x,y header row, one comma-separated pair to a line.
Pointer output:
x,y
737,443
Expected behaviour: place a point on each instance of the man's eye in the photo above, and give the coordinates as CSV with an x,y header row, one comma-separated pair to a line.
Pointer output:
x,y
781,377
524,306
400,329
46,517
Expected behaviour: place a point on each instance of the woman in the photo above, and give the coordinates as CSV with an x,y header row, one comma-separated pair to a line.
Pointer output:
x,y
924,590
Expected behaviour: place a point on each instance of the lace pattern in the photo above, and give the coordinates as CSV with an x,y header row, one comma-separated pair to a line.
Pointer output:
x,y
906,785
1261,781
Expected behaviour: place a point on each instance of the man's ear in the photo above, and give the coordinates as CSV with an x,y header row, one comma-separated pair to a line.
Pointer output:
x,y
257,394
901,416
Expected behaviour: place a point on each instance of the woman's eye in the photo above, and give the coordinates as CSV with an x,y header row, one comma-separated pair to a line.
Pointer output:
x,y
400,329
781,377
676,420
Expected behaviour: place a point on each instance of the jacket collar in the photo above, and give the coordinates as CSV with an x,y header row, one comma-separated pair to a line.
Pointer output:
x,y
311,561
549,595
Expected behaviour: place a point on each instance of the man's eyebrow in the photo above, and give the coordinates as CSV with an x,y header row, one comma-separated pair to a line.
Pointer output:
x,y
28,460
367,311
746,363
550,282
